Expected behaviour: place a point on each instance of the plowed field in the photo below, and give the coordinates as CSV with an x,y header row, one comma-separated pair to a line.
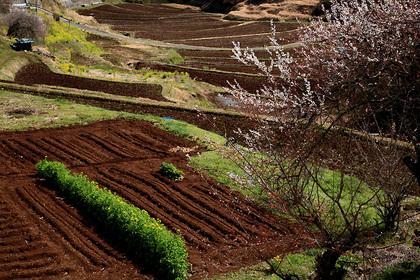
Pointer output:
x,y
39,73
184,26
43,237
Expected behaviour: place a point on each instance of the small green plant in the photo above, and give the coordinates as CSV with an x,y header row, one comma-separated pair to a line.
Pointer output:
x,y
170,171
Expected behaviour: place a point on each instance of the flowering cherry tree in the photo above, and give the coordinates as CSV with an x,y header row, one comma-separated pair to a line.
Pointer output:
x,y
349,101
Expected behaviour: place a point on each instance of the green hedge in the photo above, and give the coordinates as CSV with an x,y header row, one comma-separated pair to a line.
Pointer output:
x,y
143,237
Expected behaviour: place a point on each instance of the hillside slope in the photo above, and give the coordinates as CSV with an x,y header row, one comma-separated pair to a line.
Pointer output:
x,y
258,9
236,9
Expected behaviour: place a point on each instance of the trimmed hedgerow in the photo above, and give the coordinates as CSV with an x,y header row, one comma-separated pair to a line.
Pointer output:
x,y
143,237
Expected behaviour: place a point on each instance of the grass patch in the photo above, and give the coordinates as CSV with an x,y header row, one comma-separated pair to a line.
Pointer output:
x,y
10,60
187,130
258,272
44,112
407,270
213,164
354,193
296,266
299,265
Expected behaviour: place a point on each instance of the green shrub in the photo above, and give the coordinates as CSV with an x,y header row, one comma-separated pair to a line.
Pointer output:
x,y
170,171
143,237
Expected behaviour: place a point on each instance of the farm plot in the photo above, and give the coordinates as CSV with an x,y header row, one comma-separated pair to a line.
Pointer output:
x,y
248,82
39,73
188,27
185,26
44,237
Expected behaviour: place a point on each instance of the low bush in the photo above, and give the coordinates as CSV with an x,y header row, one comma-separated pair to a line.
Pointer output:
x,y
143,237
170,171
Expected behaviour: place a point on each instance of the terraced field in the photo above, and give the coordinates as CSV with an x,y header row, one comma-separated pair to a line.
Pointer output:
x,y
43,237
189,27
176,25
39,73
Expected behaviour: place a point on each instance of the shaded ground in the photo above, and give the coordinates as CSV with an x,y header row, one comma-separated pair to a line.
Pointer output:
x,y
44,237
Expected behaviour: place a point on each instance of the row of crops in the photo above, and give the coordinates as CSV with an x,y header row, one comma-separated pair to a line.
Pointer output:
x,y
144,238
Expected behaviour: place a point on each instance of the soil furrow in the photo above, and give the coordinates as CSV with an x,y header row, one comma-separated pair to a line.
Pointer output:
x,y
15,155
191,205
177,205
33,155
78,237
104,145
51,271
233,222
27,264
35,220
22,247
37,253
170,219
54,153
86,152
126,142
158,208
6,166
68,153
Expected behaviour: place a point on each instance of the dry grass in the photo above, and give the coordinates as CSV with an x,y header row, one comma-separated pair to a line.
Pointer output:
x,y
11,61
287,10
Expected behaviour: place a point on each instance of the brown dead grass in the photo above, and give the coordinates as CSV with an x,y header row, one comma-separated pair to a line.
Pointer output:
x,y
284,11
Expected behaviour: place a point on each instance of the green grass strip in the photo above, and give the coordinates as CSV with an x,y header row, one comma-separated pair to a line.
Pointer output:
x,y
144,238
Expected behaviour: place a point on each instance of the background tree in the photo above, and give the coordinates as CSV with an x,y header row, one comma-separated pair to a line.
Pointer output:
x,y
350,103
5,6
24,24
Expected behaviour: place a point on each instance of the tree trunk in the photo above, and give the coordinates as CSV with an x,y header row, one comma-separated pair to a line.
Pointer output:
x,y
413,166
325,266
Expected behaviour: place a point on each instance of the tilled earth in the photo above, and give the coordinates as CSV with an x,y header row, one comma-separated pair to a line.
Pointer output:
x,y
39,73
43,237
185,26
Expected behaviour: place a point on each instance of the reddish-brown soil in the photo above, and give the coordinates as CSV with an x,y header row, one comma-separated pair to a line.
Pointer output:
x,y
43,237
39,73
188,27
185,26
206,32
